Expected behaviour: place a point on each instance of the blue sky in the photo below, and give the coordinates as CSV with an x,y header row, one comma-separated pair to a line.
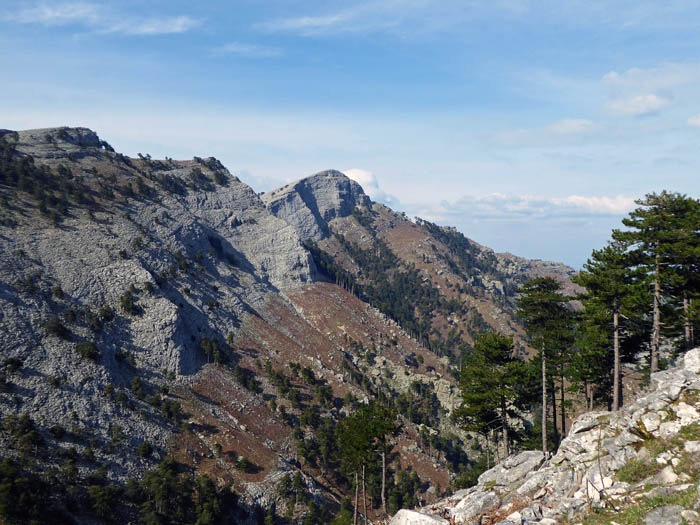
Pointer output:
x,y
530,125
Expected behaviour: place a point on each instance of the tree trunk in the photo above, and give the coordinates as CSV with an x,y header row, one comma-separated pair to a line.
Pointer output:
x,y
555,423
384,481
544,403
686,322
563,409
616,350
504,421
364,494
655,334
498,449
488,452
357,490
692,327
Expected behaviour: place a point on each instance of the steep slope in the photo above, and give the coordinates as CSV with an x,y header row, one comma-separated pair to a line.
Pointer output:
x,y
157,307
310,204
639,465
440,286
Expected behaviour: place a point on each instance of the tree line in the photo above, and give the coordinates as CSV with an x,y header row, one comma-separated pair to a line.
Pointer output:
x,y
640,295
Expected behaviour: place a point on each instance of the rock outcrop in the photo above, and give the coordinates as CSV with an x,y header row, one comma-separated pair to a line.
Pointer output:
x,y
643,459
309,204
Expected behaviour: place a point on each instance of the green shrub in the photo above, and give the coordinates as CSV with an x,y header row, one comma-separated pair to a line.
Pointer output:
x,y
137,388
145,450
88,349
121,398
54,327
57,431
128,303
636,470
12,365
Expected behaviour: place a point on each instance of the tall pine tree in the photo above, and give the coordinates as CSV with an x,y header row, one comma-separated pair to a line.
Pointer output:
x,y
542,307
491,381
660,235
610,283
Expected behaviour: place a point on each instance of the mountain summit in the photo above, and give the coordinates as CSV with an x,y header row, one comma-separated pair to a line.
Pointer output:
x,y
309,204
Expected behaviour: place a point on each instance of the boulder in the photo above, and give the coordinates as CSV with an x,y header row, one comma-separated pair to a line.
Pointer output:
x,y
473,505
409,517
666,515
691,361
513,469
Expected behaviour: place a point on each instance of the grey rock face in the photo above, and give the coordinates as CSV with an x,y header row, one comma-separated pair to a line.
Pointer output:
x,y
513,469
309,204
196,264
666,515
59,143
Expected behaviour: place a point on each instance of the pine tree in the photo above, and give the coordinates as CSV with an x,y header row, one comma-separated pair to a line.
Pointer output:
x,y
491,382
610,283
662,235
542,307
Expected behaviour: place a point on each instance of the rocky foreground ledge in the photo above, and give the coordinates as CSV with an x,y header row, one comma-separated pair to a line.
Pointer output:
x,y
639,465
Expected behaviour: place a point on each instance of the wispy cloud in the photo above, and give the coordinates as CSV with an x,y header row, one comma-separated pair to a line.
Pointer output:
x,y
654,79
561,132
505,207
694,121
644,91
248,50
638,105
370,184
425,16
372,16
99,19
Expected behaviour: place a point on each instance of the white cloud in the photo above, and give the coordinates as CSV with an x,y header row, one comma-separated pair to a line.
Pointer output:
x,y
101,20
58,14
505,207
248,50
654,79
369,183
561,132
694,121
638,104
155,26
307,24
618,205
571,127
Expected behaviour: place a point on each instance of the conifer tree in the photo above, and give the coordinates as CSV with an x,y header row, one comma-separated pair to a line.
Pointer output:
x,y
662,235
491,382
542,307
610,283
360,434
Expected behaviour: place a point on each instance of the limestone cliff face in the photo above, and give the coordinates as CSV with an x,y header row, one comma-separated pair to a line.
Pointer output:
x,y
638,463
309,204
194,261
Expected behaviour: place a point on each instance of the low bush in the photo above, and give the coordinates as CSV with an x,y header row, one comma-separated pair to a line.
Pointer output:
x,y
88,350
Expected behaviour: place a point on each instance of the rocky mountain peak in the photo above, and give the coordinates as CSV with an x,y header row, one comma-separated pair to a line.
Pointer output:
x,y
311,203
57,143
